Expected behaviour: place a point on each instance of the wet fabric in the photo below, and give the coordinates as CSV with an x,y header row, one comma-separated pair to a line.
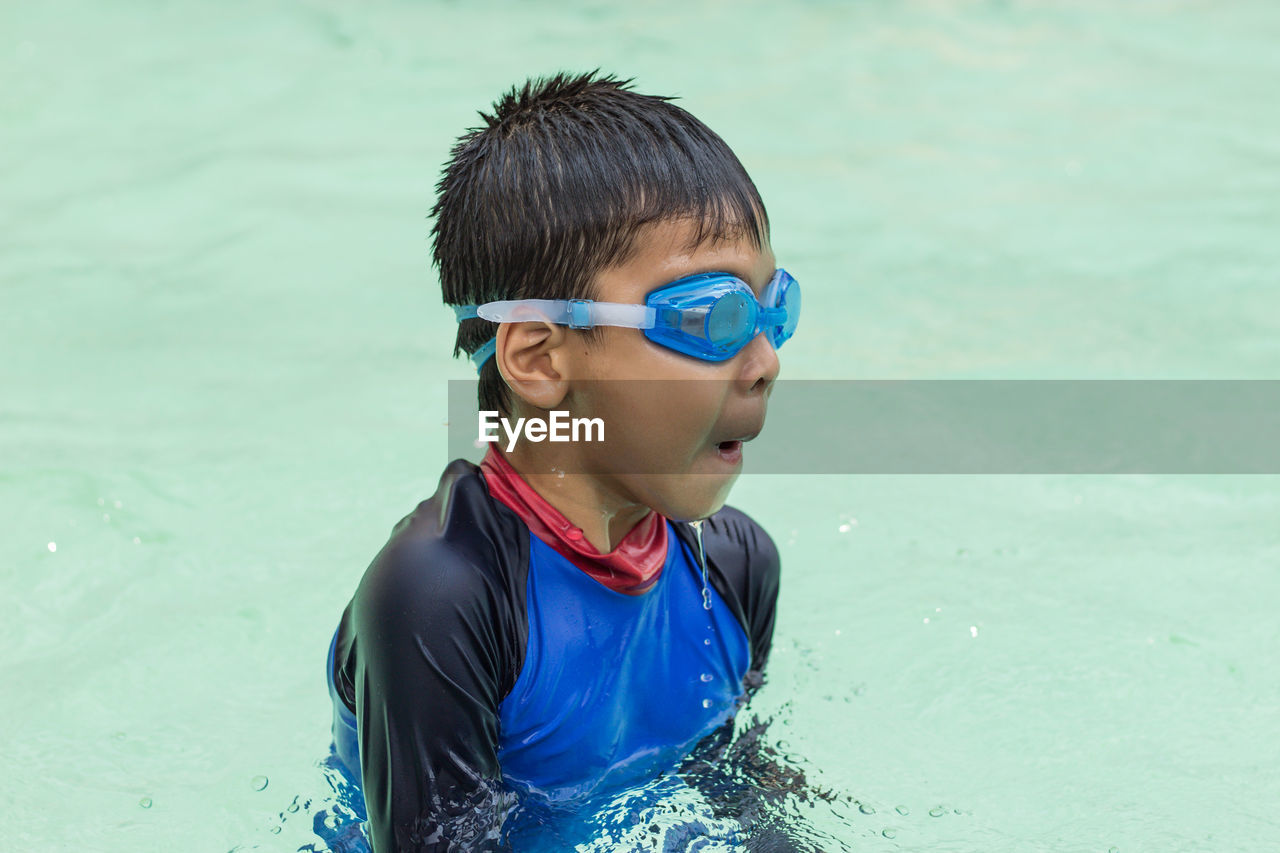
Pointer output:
x,y
479,661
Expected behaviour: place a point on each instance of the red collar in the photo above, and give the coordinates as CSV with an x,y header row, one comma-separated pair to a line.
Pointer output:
x,y
632,568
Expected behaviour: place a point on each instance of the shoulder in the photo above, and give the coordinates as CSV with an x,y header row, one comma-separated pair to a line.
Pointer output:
x,y
740,545
456,567
744,566
458,544
736,526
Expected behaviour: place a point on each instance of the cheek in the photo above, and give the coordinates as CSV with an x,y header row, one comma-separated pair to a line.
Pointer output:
x,y
654,425
626,354
659,407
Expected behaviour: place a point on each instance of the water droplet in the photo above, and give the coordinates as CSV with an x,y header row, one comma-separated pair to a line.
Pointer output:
x,y
706,676
973,630
866,809
53,546
145,802
137,540
926,620
844,528
889,832
837,632
117,504
706,703
101,501
903,810
106,517
937,811
706,642
258,782
702,561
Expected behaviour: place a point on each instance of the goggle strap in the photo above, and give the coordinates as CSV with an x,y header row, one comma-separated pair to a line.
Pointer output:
x,y
578,313
483,353
623,315
523,310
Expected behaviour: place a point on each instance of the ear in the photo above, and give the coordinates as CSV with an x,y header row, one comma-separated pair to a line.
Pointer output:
x,y
531,358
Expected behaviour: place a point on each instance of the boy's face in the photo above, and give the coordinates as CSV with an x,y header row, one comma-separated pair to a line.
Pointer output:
x,y
674,424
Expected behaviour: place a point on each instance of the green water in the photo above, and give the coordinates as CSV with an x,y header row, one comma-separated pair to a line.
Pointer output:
x,y
223,371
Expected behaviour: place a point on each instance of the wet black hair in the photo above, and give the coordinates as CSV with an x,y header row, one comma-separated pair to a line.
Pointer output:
x,y
556,185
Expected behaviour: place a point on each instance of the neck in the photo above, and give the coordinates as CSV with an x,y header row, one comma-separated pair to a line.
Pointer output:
x,y
590,503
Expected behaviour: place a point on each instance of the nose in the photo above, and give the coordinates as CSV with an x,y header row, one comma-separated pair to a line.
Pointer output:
x,y
760,366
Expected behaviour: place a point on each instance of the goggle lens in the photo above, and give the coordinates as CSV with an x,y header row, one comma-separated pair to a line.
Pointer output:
x,y
731,321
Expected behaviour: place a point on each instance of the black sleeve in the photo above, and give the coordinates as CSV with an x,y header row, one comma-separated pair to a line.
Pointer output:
x,y
429,646
744,566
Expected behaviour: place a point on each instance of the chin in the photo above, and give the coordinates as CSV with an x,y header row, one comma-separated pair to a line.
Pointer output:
x,y
688,497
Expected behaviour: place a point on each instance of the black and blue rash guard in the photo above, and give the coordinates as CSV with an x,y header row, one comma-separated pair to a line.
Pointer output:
x,y
475,662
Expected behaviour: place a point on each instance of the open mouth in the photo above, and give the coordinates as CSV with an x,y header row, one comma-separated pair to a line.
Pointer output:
x,y
730,451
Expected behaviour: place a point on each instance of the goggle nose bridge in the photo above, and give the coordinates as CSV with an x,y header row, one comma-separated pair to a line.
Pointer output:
x,y
771,316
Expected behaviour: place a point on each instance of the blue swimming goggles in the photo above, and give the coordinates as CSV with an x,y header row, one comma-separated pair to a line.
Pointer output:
x,y
710,316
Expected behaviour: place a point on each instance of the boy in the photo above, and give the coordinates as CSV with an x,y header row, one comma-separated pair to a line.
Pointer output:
x,y
566,635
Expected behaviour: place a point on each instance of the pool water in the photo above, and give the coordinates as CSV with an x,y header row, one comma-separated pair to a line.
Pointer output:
x,y
225,368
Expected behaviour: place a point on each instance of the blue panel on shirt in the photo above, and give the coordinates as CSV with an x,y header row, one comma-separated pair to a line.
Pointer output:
x,y
616,687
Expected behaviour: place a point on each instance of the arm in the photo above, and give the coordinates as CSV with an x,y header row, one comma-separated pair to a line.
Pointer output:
x,y
429,646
